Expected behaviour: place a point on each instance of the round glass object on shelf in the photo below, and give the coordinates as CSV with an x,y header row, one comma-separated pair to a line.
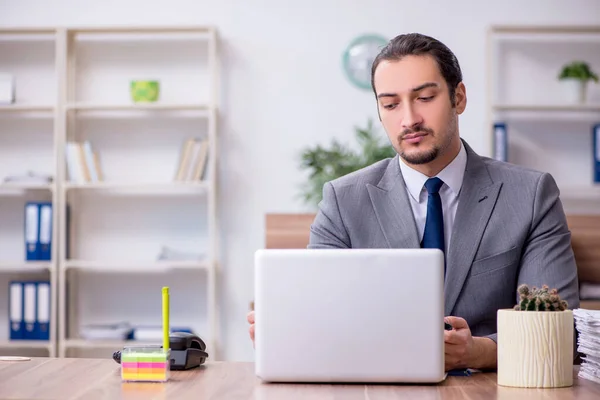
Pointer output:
x,y
358,59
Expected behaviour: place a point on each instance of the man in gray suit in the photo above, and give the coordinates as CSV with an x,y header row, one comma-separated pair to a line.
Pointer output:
x,y
498,224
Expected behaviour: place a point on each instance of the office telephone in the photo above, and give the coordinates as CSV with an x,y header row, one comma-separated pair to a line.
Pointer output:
x,y
187,351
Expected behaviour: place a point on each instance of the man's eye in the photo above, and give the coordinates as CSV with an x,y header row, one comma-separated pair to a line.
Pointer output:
x,y
426,98
389,106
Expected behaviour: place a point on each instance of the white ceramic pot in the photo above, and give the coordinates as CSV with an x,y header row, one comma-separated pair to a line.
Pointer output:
x,y
535,348
574,91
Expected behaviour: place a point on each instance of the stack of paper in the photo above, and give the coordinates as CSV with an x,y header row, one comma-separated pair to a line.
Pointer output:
x,y
587,323
118,331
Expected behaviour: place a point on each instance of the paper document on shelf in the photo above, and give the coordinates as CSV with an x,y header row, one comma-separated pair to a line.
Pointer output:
x,y
118,331
30,177
170,254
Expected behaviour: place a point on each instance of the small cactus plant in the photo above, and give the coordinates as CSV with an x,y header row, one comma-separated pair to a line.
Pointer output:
x,y
542,299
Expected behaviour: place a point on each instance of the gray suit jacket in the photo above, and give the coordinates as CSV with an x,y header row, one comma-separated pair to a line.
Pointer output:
x,y
510,228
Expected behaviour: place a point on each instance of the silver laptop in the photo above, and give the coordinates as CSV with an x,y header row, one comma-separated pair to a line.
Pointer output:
x,y
349,315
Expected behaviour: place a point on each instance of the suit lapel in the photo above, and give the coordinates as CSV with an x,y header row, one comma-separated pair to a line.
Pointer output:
x,y
392,208
477,199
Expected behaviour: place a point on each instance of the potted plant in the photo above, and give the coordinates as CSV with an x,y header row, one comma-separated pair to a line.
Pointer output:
x,y
535,341
325,164
574,78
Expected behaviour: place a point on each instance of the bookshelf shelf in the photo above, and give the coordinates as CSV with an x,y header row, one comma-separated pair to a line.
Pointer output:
x,y
27,266
73,94
26,108
581,192
138,107
111,345
138,266
152,30
548,107
148,189
104,344
24,344
10,188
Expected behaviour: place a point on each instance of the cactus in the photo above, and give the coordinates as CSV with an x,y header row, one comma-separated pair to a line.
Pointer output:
x,y
543,299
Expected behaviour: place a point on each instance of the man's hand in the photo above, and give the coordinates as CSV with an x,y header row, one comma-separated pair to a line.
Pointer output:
x,y
465,351
250,318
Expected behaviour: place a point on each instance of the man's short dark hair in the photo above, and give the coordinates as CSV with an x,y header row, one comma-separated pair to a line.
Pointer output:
x,y
417,44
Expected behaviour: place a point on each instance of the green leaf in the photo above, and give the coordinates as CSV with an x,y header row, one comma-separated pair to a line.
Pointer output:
x,y
578,70
524,303
326,164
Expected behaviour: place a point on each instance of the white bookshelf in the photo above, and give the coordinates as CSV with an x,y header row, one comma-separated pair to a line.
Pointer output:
x,y
545,131
29,139
106,265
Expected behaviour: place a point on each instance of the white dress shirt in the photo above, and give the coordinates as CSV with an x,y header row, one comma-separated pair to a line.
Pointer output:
x,y
452,176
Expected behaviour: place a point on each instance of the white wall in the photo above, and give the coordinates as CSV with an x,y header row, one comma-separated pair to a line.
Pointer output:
x,y
284,89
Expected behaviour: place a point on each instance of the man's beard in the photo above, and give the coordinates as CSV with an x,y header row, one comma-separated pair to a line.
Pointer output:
x,y
422,157
427,156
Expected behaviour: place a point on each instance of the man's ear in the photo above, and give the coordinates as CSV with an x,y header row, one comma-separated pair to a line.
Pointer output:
x,y
460,98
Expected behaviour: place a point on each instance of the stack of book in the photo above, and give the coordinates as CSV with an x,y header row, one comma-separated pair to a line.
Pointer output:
x,y
192,161
587,323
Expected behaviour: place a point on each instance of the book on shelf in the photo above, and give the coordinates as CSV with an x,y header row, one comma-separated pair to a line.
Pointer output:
x,y
83,163
192,160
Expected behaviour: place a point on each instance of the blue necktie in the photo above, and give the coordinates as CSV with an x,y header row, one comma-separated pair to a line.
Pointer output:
x,y
433,236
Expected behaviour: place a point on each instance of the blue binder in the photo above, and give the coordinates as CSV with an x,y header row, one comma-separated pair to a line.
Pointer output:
x,y
30,310
32,231
42,320
38,231
596,151
500,142
16,308
45,231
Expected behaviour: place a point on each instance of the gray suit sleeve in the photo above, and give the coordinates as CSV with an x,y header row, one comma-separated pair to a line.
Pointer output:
x,y
548,256
328,231
493,336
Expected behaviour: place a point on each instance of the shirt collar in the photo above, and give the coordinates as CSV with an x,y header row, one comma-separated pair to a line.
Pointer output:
x,y
451,175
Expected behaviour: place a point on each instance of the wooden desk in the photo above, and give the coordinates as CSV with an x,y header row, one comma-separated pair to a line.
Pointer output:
x,y
90,379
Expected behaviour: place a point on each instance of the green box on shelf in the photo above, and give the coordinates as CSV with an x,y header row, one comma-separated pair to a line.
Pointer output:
x,y
145,91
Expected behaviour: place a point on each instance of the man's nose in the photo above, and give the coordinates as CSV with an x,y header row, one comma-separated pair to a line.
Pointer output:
x,y
410,118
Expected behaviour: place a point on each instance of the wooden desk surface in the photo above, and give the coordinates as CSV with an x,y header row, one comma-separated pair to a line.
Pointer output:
x,y
90,379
